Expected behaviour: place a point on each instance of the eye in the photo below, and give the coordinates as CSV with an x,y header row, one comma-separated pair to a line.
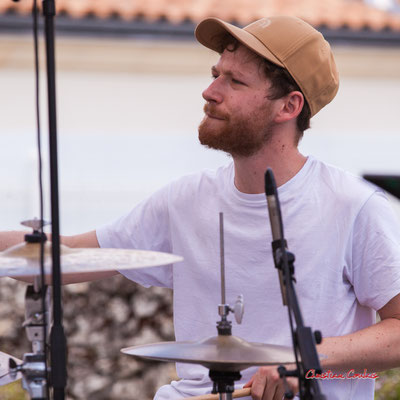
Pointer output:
x,y
237,82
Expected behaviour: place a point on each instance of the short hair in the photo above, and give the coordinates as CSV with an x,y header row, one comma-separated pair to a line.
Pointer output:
x,y
282,83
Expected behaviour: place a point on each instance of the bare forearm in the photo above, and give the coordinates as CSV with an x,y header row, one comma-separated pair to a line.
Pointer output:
x,y
376,348
11,238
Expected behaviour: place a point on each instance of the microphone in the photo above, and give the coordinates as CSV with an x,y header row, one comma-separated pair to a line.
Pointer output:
x,y
275,218
273,206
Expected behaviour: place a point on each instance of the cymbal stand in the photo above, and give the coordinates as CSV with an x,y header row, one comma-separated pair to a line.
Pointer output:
x,y
304,340
58,342
33,368
223,381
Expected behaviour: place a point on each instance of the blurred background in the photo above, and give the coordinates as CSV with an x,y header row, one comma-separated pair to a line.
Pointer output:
x,y
129,82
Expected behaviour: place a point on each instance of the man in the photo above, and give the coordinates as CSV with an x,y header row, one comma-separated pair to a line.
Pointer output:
x,y
272,76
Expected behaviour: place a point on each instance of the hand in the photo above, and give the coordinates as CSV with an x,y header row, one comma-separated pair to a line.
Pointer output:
x,y
266,384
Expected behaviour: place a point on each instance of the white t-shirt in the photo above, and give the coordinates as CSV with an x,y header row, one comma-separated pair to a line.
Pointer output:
x,y
342,231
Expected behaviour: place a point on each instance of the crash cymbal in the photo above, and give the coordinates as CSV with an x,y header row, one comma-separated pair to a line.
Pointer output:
x,y
23,259
5,378
219,353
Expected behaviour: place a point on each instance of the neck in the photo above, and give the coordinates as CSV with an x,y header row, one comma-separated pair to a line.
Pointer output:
x,y
281,156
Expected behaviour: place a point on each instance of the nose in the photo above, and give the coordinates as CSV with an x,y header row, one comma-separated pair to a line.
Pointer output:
x,y
214,92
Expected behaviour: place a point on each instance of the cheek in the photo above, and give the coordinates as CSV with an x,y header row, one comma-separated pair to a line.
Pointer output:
x,y
240,104
249,105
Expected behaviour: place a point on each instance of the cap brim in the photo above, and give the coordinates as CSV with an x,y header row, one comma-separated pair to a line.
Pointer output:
x,y
209,30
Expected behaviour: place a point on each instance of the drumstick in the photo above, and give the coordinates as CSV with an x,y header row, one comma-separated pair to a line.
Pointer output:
x,y
235,395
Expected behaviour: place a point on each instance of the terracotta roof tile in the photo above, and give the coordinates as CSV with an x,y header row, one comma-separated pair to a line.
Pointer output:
x,y
354,14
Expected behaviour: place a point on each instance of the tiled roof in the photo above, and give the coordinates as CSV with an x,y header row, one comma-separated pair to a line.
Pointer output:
x,y
353,14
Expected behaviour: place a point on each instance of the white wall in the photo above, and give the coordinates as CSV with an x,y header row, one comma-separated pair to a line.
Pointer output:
x,y
127,128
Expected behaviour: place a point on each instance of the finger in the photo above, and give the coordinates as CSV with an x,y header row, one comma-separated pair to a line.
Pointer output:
x,y
273,387
258,385
249,383
279,393
265,383
263,387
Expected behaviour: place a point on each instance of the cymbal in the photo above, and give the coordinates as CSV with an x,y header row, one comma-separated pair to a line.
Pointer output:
x,y
23,259
219,353
5,378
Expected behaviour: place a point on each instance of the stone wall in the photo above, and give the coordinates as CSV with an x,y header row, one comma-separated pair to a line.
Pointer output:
x,y
100,318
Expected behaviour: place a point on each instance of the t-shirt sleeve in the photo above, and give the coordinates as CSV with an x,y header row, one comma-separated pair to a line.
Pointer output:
x,y
145,227
376,253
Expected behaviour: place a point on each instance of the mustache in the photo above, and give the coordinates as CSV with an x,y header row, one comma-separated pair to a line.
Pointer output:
x,y
211,109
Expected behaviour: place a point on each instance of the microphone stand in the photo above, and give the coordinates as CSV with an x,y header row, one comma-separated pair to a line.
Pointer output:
x,y
304,341
36,378
57,336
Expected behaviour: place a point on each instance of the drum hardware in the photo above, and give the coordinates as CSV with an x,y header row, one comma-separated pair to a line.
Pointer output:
x,y
304,340
224,355
224,326
37,324
24,260
57,336
5,374
223,381
35,224
33,368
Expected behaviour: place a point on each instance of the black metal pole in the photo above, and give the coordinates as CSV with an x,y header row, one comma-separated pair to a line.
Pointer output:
x,y
57,336
304,341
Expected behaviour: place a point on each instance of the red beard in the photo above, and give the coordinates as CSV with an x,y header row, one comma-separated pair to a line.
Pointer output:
x,y
238,136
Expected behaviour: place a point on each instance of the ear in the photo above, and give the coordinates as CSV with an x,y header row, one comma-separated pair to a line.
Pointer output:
x,y
290,107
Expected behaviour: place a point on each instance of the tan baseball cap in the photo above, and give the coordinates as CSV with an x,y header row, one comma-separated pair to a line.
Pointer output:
x,y
288,42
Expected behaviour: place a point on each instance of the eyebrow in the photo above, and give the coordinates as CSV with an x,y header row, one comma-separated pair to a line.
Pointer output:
x,y
238,74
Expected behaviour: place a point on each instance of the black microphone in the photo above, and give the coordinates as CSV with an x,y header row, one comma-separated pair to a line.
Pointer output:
x,y
275,218
273,206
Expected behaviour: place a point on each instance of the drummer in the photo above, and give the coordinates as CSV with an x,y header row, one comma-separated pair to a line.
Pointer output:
x,y
271,78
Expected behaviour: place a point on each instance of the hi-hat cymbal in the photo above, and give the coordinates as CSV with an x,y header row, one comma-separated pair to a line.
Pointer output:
x,y
23,259
5,378
219,353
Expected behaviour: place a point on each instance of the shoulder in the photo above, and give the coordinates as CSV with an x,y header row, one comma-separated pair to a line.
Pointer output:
x,y
205,181
343,185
